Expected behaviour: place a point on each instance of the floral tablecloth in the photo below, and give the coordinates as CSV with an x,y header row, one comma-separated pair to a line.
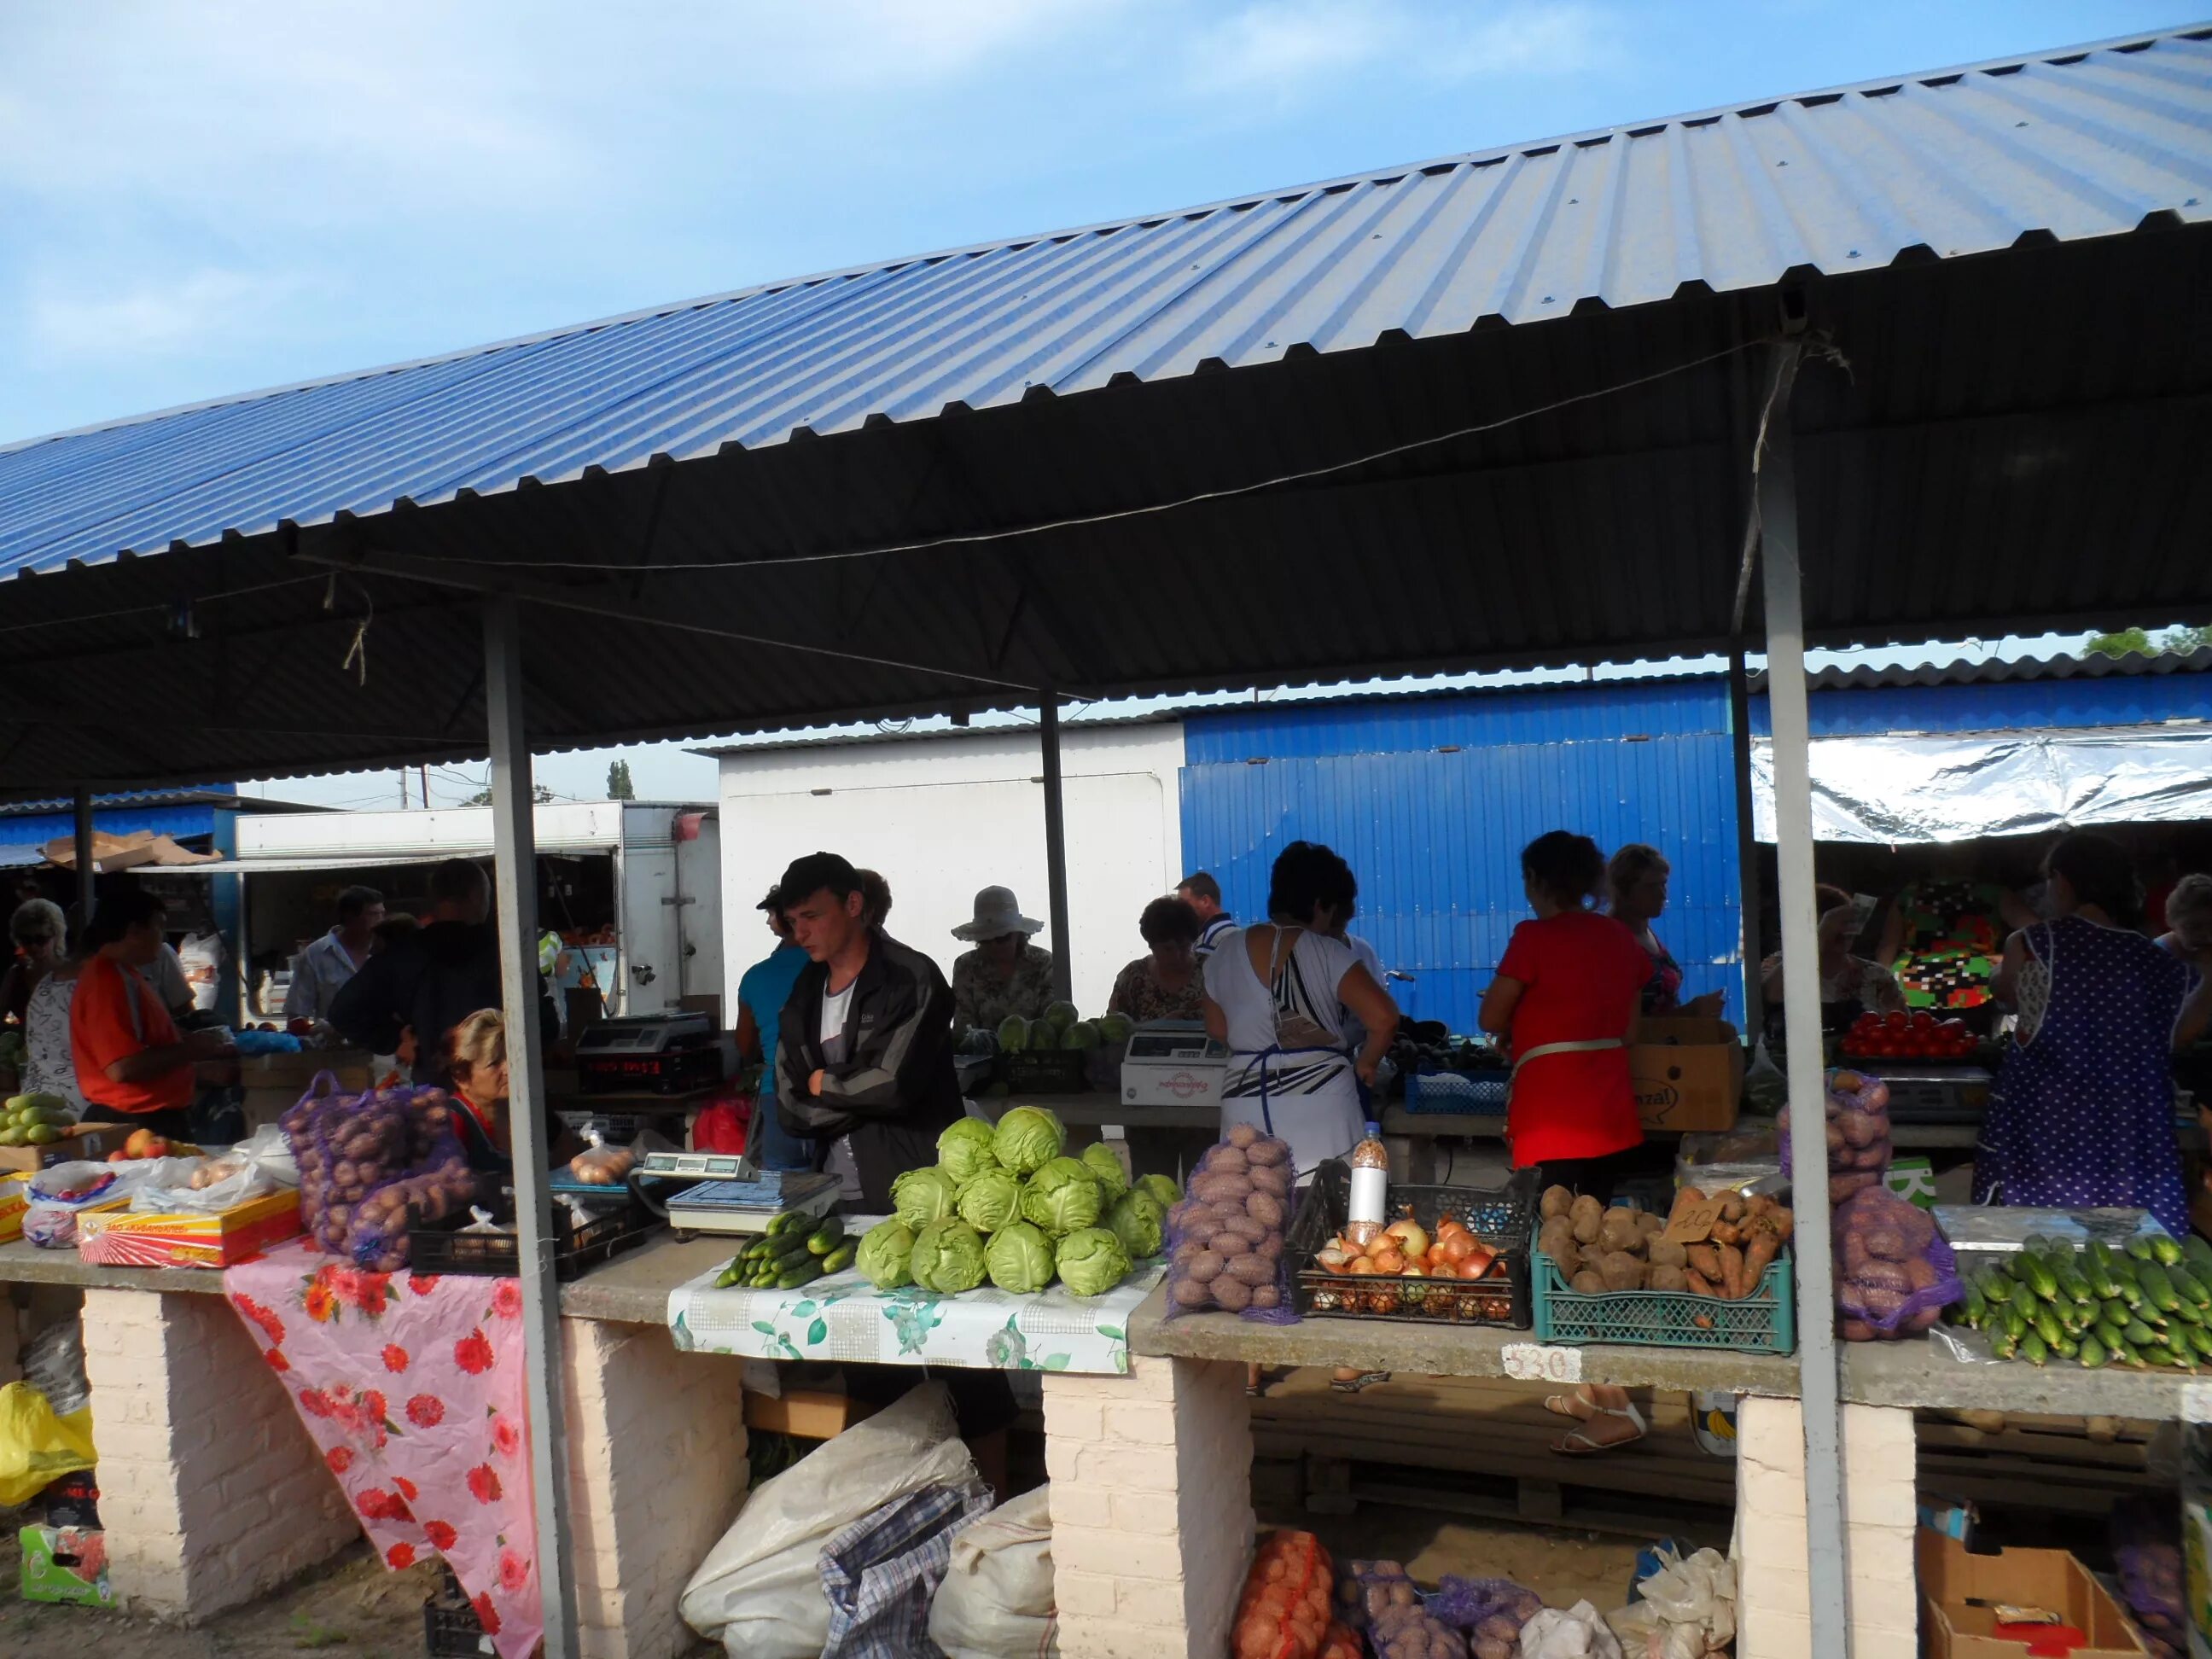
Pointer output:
x,y
843,1318
412,1386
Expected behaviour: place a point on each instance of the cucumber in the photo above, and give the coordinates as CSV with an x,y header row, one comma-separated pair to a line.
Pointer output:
x,y
826,1237
2140,1334
2014,1323
2101,1252
2199,1338
2005,1343
726,1278
2034,1349
2190,1285
2166,1249
2066,1348
797,1276
2048,1327
784,1220
2100,1278
2124,1353
2158,1289
2071,1285
2092,1353
840,1258
2139,1249
1972,1308
2186,1312
2123,1273
2197,1254
1996,1287
2034,1272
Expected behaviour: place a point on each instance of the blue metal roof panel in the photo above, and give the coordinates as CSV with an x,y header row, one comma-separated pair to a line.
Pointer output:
x,y
2080,145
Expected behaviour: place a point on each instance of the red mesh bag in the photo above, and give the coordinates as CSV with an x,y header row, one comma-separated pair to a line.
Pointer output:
x,y
1284,1612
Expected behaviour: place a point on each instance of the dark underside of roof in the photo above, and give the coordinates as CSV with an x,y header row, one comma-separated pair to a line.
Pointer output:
x,y
2012,442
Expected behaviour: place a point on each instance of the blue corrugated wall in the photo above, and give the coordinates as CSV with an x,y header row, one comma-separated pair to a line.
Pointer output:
x,y
2005,705
1431,800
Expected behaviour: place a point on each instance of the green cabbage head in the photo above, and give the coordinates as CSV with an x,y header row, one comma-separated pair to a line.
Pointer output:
x,y
1106,1170
1019,1259
1137,1220
885,1249
964,1151
1092,1261
948,1257
1163,1188
1027,1138
1062,1197
922,1196
990,1201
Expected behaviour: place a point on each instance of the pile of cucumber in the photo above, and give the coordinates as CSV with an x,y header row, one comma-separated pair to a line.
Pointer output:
x,y
791,1252
2148,1305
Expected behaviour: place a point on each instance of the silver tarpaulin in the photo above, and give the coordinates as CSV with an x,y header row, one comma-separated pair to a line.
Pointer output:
x,y
1891,790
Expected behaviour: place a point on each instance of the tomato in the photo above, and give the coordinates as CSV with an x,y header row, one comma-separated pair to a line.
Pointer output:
x,y
1897,1022
1924,1021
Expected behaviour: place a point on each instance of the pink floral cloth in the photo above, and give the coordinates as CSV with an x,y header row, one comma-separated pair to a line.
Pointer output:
x,y
412,1386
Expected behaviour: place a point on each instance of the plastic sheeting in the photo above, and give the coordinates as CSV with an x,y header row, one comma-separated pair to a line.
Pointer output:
x,y
1895,789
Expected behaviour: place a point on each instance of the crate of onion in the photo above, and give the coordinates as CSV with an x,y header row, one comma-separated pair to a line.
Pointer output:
x,y
1447,1254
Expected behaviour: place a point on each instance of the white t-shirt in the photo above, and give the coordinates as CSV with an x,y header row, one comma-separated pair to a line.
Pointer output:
x,y
836,1006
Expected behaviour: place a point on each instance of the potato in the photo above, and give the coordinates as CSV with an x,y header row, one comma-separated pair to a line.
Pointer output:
x,y
1270,1178
1588,1227
1243,1226
1668,1256
1242,1136
1621,1272
1556,1201
1204,1266
1266,1296
1590,1282
1587,1206
1668,1278
1232,1294
1190,1293
1268,1151
1650,1221
1264,1208
1225,1160
1622,1234
1252,1269
1201,1227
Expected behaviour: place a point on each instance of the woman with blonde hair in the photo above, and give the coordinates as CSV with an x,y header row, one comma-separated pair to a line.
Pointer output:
x,y
37,990
476,1059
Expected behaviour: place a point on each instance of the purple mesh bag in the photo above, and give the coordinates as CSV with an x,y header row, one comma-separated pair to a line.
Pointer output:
x,y
1894,1273
1224,1239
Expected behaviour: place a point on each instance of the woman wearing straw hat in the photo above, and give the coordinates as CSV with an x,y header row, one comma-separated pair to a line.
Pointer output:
x,y
1004,974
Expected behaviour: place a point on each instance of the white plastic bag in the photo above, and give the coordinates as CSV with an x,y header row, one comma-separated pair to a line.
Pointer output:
x,y
1576,1633
996,1601
167,1189
759,1590
1687,1610
55,1194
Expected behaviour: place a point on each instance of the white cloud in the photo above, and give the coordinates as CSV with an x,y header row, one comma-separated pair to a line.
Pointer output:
x,y
147,314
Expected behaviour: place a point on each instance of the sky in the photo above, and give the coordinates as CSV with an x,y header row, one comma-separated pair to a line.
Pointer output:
x,y
204,199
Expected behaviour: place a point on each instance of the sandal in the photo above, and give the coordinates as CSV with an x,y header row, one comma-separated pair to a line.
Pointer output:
x,y
1579,1443
1354,1384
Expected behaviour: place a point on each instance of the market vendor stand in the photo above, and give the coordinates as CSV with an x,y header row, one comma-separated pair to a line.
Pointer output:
x,y
1552,393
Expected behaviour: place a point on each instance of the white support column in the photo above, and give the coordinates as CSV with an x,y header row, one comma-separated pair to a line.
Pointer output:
x,y
1777,492
1055,844
515,862
1746,840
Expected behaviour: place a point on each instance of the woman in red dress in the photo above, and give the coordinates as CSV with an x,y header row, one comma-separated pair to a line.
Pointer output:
x,y
1566,999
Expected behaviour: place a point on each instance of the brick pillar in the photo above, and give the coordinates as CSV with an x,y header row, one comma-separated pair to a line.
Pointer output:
x,y
657,1471
1151,1506
1774,1609
210,1490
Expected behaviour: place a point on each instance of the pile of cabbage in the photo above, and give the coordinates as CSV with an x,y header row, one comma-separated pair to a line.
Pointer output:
x,y
1006,1204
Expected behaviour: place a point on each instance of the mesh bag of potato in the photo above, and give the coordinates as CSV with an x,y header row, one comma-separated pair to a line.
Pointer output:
x,y
1894,1273
370,1162
1284,1612
1855,1109
1225,1240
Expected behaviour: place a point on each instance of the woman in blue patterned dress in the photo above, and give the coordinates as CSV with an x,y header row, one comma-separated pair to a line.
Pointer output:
x,y
2083,1112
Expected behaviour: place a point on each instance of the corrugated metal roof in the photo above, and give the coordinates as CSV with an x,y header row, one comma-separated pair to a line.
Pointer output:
x,y
2009,450
2076,145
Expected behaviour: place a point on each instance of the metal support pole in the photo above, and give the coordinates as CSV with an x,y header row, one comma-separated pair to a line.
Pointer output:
x,y
1055,844
1746,841
81,804
1800,1006
514,850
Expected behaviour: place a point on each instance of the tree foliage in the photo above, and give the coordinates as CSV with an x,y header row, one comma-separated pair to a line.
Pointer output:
x,y
2141,642
619,786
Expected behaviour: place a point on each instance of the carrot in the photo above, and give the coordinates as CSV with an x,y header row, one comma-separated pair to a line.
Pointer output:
x,y
1727,1232
1756,1257
1732,1207
1706,1259
1782,1220
1698,1284
1732,1286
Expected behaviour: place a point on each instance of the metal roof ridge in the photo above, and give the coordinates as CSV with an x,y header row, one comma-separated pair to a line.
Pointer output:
x,y
1490,154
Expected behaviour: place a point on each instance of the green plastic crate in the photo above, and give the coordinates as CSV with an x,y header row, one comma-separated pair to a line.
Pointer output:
x,y
1764,1321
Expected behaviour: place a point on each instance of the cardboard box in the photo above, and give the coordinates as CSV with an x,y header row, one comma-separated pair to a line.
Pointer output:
x,y
14,1198
1951,1578
92,1142
133,1238
1687,1074
65,1564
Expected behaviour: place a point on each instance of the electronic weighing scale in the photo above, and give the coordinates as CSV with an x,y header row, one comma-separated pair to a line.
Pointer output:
x,y
1172,1062
724,1193
652,1054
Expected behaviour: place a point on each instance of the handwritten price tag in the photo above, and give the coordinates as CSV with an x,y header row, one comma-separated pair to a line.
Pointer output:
x,y
1695,1224
1535,1362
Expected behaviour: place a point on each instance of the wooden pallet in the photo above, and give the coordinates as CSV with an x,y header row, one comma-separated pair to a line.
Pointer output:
x,y
2066,1464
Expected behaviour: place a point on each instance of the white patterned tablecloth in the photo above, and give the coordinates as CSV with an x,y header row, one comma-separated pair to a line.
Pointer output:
x,y
844,1318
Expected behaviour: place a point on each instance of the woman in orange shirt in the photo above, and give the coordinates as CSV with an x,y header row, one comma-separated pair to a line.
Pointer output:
x,y
132,1065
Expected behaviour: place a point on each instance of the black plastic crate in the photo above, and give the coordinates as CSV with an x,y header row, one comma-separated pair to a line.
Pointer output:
x,y
1504,1219
441,1247
450,1627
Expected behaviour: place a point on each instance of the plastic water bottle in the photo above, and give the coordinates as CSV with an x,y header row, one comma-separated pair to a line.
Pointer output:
x,y
1371,1187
